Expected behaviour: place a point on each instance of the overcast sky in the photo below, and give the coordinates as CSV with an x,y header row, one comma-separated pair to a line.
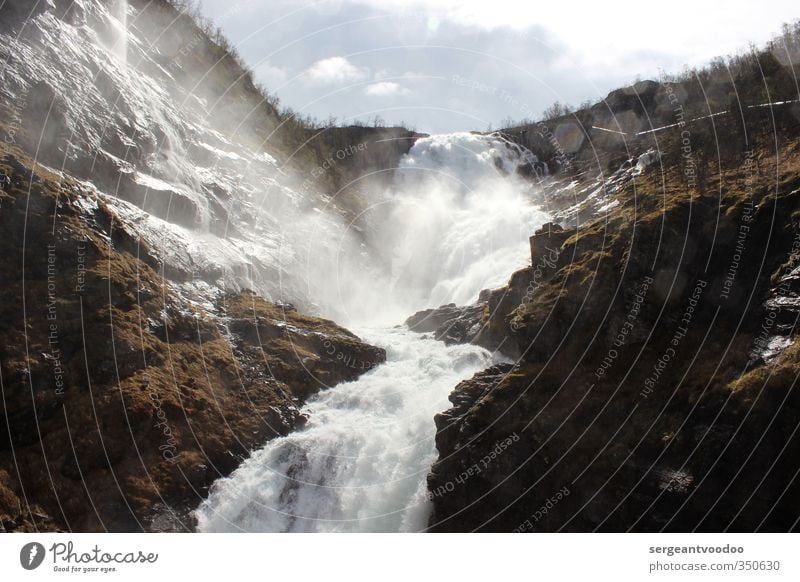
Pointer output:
x,y
449,65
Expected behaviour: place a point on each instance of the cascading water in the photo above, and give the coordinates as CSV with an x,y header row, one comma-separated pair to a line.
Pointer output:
x,y
456,221
461,217
226,216
119,22
360,463
219,212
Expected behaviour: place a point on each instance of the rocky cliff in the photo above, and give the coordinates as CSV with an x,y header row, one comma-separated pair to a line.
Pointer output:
x,y
124,397
654,384
152,326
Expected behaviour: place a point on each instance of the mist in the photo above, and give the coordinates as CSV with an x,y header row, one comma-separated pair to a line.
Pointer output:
x,y
186,153
455,221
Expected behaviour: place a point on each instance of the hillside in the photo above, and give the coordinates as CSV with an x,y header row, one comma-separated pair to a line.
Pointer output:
x,y
654,332
148,343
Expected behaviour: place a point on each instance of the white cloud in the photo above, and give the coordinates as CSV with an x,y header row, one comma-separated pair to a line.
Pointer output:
x,y
335,70
271,76
385,89
598,35
538,53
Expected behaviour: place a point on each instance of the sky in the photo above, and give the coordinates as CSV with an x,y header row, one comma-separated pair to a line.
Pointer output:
x,y
456,65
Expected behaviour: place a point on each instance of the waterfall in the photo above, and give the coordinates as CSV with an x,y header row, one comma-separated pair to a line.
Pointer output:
x,y
361,462
119,23
461,217
227,216
456,221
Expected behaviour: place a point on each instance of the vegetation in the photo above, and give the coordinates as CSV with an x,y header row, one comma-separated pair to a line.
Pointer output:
x,y
750,98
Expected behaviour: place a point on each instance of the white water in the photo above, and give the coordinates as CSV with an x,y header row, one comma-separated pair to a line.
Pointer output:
x,y
361,463
458,221
466,217
119,22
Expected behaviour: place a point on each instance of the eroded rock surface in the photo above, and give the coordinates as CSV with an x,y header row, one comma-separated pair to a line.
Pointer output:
x,y
655,381
126,395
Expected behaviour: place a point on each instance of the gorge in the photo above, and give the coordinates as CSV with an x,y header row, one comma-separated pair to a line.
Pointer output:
x,y
216,316
361,462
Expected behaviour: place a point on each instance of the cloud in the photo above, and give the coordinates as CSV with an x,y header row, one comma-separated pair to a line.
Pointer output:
x,y
476,62
335,70
386,89
270,75
591,32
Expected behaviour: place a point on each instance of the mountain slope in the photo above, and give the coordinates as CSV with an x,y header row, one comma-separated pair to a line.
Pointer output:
x,y
122,398
655,386
153,187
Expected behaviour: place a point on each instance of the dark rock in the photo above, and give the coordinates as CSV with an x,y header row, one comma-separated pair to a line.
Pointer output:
x,y
604,434
449,323
546,244
178,396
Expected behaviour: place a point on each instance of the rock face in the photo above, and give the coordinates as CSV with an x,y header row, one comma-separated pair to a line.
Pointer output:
x,y
546,244
449,323
654,387
179,138
152,189
123,399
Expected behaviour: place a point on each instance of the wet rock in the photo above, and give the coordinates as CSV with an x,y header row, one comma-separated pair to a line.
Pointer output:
x,y
117,382
610,437
449,323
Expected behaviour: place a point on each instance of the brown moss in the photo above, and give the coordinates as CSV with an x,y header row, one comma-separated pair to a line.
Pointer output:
x,y
727,422
158,399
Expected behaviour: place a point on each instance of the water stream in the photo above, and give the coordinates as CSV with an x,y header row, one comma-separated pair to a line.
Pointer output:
x,y
119,45
458,221
360,463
